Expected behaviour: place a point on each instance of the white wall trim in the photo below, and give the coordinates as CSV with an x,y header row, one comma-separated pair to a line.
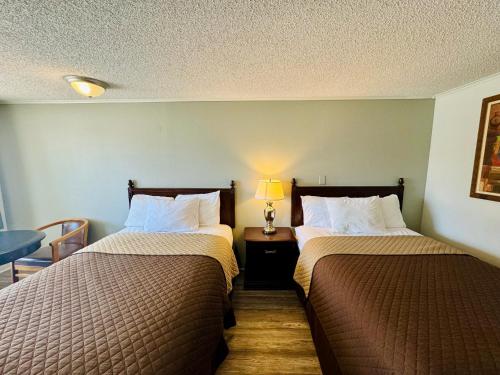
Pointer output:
x,y
3,220
470,84
173,100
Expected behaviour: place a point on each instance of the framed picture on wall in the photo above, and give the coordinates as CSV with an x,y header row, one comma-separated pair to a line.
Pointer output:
x,y
486,174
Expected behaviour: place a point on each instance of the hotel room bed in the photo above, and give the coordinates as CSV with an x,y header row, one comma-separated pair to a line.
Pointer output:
x,y
395,304
132,302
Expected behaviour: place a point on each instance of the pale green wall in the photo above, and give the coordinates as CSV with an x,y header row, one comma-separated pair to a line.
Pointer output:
x,y
63,160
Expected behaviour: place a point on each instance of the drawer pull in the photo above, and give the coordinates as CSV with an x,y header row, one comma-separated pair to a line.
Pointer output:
x,y
270,251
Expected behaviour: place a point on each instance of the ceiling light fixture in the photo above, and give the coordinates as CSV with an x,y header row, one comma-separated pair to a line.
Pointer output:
x,y
89,87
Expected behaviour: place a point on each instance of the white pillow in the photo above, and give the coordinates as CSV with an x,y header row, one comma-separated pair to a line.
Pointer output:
x,y
139,209
356,215
391,211
209,206
315,211
172,216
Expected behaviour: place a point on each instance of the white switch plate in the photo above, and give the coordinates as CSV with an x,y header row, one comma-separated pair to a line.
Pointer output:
x,y
322,180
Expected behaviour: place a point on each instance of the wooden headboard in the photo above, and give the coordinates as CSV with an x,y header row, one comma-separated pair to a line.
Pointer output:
x,y
227,198
339,191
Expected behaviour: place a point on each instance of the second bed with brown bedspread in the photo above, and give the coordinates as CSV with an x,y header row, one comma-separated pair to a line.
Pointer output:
x,y
405,314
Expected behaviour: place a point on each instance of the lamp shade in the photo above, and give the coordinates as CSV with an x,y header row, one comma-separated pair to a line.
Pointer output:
x,y
269,190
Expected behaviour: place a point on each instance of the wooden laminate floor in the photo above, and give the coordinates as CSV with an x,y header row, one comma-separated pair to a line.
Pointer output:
x,y
272,335
5,279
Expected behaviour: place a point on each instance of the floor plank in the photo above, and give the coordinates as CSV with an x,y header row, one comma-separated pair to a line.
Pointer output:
x,y
5,279
272,335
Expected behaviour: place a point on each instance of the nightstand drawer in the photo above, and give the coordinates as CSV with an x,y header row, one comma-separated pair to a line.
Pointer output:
x,y
270,254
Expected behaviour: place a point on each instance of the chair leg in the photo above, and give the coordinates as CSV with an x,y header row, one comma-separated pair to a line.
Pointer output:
x,y
15,279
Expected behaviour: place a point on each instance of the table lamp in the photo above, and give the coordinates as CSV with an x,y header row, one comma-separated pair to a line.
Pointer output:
x,y
270,191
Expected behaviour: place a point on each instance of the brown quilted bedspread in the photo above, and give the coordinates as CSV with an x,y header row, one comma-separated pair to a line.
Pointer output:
x,y
409,314
114,314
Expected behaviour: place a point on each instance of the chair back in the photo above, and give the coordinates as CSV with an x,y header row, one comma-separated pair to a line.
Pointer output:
x,y
77,239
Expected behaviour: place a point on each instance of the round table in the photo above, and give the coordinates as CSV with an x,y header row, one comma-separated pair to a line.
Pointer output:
x,y
15,244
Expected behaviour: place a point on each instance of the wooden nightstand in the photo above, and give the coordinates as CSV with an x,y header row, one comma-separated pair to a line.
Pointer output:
x,y
270,259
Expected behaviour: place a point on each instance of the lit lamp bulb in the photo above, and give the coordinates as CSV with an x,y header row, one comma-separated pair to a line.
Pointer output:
x,y
85,86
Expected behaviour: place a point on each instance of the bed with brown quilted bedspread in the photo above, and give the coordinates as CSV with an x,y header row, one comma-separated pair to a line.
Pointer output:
x,y
101,313
404,314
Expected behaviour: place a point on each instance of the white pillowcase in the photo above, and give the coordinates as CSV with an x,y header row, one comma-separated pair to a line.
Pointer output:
x,y
356,215
172,216
209,206
391,211
139,209
315,211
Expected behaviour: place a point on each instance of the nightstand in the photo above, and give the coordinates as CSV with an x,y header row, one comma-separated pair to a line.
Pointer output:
x,y
270,259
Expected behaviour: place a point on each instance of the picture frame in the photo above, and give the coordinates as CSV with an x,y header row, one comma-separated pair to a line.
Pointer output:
x,y
486,174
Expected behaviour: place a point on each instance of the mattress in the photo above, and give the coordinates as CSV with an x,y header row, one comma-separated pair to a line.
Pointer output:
x,y
403,314
104,311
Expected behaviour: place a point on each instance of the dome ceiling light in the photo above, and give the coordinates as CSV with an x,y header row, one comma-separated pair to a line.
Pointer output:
x,y
89,87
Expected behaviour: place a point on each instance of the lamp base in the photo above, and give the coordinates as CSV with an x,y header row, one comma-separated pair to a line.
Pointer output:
x,y
269,230
269,213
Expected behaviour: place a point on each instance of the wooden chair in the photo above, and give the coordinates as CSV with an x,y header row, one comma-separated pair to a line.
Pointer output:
x,y
73,237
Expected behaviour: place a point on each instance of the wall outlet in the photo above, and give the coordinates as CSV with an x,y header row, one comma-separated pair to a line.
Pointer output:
x,y
322,180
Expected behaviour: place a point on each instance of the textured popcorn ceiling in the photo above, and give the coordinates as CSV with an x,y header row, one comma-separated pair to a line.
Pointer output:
x,y
202,50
